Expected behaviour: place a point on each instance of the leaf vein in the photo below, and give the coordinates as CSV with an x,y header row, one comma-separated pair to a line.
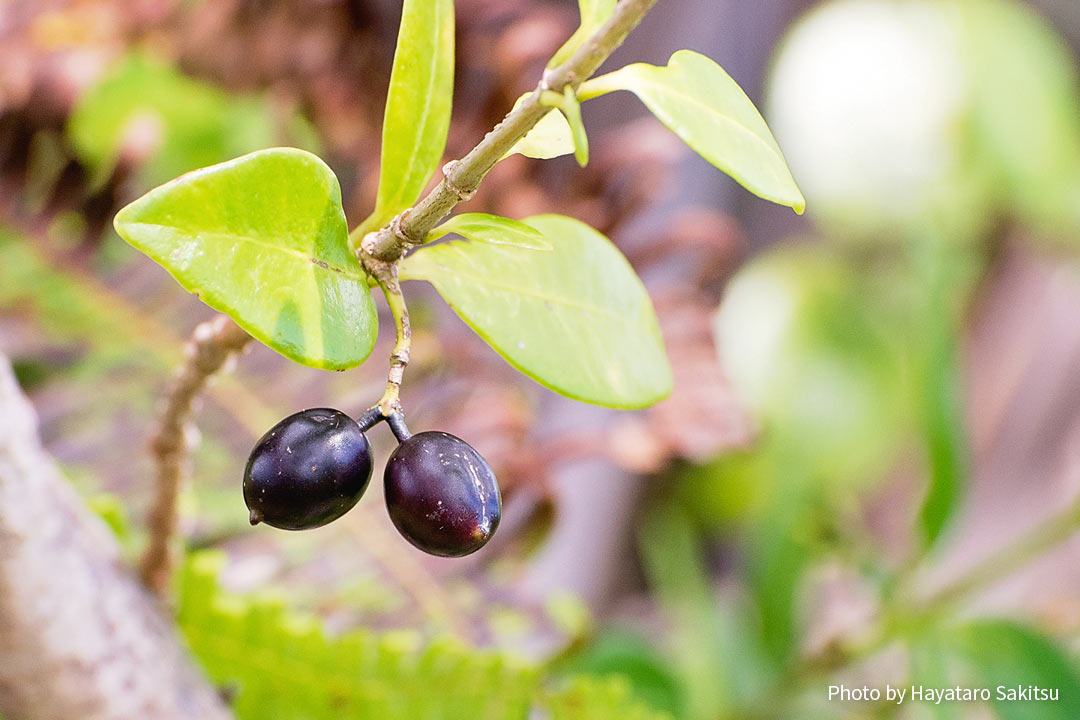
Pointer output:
x,y
306,257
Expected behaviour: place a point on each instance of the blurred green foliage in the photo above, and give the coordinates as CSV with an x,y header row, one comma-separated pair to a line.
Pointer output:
x,y
848,348
1024,112
277,663
848,352
1002,654
628,654
172,123
962,113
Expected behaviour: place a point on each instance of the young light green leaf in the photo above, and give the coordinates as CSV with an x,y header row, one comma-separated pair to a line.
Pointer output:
x,y
594,13
418,104
549,138
576,319
262,238
276,657
482,227
700,103
571,110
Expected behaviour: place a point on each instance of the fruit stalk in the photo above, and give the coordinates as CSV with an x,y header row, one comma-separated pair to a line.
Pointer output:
x,y
399,356
396,421
211,345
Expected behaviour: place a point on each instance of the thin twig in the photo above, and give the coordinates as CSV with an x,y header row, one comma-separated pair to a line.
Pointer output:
x,y
381,250
462,177
210,346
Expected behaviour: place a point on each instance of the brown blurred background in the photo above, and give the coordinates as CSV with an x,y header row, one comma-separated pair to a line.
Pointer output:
x,y
752,527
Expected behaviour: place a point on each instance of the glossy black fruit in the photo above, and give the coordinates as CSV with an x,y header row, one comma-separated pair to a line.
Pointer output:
x,y
309,469
442,494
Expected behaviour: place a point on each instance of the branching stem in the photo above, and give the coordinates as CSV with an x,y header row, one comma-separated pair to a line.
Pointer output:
x,y
210,346
381,250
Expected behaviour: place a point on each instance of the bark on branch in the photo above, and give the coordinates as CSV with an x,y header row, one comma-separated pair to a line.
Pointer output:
x,y
210,347
79,635
462,177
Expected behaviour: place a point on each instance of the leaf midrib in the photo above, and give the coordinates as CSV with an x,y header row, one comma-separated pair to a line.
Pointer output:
x,y
478,280
743,129
307,258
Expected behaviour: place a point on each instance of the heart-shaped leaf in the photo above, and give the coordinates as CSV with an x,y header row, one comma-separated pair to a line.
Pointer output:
x,y
263,239
576,319
418,104
482,227
700,103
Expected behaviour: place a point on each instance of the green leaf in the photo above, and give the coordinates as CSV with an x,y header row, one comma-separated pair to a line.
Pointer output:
x,y
418,106
493,229
262,238
1005,655
270,656
577,319
594,13
571,110
274,657
777,566
700,103
549,138
144,102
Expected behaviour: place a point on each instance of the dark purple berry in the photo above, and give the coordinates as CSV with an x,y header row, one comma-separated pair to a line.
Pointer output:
x,y
442,494
309,469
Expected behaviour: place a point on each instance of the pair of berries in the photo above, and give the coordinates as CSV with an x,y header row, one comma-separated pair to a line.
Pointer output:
x,y
313,467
